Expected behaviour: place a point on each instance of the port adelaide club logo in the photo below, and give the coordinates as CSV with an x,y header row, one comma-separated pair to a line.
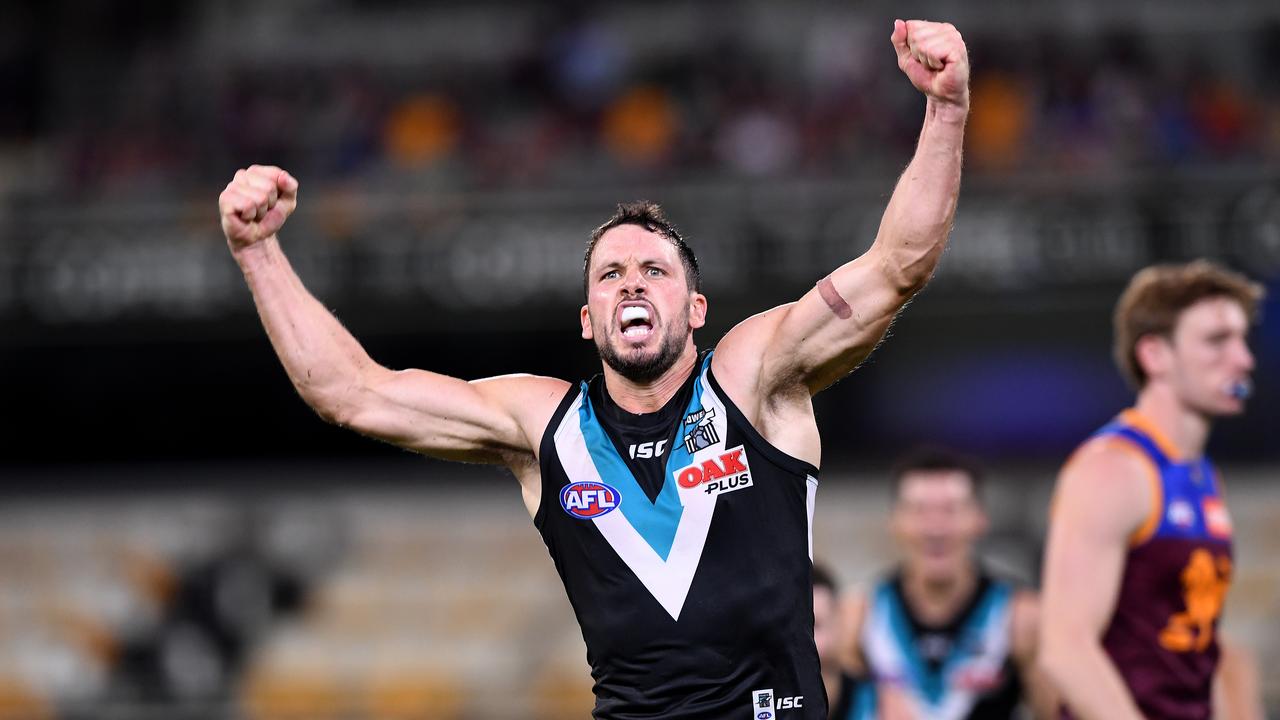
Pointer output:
x,y
588,500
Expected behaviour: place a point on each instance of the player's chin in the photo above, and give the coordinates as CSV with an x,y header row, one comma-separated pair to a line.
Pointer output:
x,y
1223,407
1231,408
637,341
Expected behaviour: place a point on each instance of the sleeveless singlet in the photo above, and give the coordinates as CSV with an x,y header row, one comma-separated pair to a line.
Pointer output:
x,y
1162,637
963,669
684,542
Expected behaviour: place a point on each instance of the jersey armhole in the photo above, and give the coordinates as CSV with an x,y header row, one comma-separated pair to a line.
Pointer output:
x,y
787,462
546,450
1151,522
1155,512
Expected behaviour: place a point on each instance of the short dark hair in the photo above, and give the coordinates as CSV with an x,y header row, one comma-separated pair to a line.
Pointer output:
x,y
1156,297
648,215
822,577
933,458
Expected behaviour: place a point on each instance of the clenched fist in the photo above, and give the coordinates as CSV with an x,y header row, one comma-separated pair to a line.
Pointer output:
x,y
255,204
934,57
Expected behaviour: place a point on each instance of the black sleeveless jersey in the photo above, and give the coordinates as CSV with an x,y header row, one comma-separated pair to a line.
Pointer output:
x,y
962,670
684,540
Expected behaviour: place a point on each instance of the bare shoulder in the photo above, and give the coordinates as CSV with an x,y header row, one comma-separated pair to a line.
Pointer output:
x,y
739,359
530,399
780,408
1108,484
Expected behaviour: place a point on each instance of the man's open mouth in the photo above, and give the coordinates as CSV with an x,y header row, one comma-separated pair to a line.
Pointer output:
x,y
635,321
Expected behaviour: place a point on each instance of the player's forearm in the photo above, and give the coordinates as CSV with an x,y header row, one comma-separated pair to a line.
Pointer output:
x,y
324,362
920,213
1086,680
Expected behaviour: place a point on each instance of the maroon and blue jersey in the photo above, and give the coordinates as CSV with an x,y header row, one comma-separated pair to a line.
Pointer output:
x,y
1163,634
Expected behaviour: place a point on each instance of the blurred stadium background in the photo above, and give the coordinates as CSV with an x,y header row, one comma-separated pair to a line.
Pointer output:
x,y
181,538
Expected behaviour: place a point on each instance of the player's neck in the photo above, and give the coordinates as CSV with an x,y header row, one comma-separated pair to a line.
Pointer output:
x,y
1186,429
640,398
936,600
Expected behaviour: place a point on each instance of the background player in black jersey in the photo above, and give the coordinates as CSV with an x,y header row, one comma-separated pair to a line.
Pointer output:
x,y
642,307
939,637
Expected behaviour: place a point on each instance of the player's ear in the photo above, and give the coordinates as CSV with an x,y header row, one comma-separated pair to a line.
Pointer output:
x,y
1154,353
585,317
697,310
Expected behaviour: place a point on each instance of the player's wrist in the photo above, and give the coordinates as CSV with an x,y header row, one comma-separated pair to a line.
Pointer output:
x,y
247,255
951,111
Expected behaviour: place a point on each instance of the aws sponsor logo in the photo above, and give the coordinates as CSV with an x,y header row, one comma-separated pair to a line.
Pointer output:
x,y
588,500
718,475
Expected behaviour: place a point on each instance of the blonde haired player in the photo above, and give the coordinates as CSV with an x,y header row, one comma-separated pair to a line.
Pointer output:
x,y
1139,555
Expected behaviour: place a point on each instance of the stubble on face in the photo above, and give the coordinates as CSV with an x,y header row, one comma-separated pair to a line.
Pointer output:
x,y
639,365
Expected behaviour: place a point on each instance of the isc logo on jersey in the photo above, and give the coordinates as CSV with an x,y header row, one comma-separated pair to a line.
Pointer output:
x,y
587,500
718,475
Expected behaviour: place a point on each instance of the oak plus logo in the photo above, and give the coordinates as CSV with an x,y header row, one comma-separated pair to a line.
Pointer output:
x,y
717,475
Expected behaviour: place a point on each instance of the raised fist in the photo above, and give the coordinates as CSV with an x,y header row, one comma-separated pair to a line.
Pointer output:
x,y
934,57
255,204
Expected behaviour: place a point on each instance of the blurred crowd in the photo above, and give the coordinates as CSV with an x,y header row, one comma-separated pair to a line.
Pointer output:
x,y
572,101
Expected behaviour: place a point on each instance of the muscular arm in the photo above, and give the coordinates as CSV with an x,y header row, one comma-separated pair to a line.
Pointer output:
x,y
1103,496
815,341
480,421
1040,695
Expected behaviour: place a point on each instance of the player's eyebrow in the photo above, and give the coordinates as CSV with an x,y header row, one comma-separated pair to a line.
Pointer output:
x,y
615,264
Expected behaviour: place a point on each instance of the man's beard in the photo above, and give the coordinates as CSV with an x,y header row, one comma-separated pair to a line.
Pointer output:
x,y
645,368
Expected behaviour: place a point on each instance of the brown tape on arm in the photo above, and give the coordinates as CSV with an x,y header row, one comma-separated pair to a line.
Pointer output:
x,y
831,296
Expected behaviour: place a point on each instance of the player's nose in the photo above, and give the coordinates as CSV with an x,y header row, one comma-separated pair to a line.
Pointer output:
x,y
1245,357
633,281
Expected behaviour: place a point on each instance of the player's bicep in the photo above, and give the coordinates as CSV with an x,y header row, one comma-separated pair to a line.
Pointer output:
x,y
838,322
442,416
1101,498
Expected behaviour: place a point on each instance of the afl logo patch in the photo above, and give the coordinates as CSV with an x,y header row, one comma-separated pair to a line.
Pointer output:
x,y
587,500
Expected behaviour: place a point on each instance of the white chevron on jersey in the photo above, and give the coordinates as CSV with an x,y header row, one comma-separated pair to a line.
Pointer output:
x,y
667,580
888,646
